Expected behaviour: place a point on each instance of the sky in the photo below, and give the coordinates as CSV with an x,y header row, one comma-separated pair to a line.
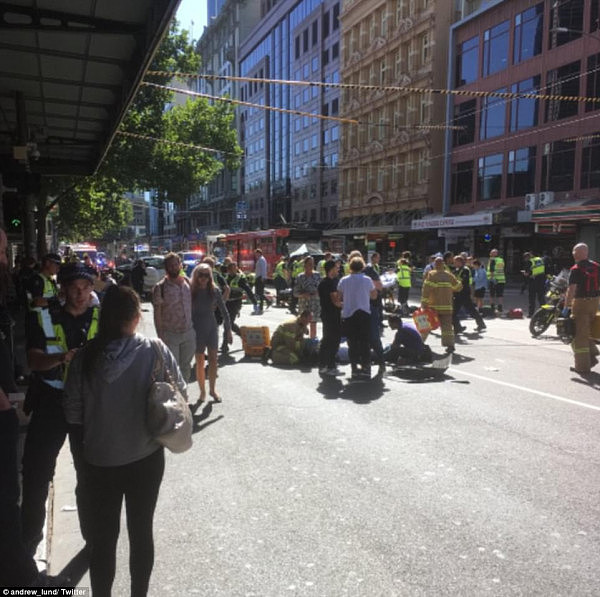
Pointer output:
x,y
192,10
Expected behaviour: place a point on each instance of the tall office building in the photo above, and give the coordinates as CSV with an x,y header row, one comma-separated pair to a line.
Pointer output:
x,y
391,162
217,206
290,169
213,9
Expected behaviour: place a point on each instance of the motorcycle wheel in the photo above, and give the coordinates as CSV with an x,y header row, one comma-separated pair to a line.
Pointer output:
x,y
541,321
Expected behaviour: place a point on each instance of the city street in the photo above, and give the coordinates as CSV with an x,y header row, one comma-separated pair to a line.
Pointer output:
x,y
485,481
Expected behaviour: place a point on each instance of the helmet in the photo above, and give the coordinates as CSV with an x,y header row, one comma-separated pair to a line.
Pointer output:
x,y
515,314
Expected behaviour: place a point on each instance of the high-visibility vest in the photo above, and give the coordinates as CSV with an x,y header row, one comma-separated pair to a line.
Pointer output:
x,y
346,267
321,268
403,275
56,343
498,274
49,291
537,266
279,270
298,268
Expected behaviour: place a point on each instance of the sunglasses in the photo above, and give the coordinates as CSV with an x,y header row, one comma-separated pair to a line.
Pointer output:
x,y
203,275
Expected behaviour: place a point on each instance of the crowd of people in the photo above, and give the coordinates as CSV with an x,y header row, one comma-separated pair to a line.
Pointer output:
x,y
91,370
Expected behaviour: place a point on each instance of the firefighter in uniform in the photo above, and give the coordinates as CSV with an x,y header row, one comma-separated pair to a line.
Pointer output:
x,y
535,272
288,345
582,300
49,352
496,279
438,292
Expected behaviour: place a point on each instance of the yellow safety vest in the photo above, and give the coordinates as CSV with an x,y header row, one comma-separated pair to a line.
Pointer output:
x,y
279,270
56,343
498,274
537,266
403,276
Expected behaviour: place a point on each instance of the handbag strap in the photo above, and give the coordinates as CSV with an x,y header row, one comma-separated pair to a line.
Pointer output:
x,y
160,365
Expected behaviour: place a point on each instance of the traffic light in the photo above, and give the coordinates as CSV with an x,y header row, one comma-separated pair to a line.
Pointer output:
x,y
13,213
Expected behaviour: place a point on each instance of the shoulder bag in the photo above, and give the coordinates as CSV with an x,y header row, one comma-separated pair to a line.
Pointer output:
x,y
168,415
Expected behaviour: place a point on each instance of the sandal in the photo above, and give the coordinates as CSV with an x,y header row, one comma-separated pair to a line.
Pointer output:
x,y
216,397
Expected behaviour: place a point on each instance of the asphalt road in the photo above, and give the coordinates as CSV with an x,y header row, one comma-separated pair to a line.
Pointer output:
x,y
486,481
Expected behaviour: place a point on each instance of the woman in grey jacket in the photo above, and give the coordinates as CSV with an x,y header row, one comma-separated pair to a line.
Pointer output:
x,y
105,406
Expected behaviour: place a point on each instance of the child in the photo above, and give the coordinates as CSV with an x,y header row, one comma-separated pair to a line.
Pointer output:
x,y
480,283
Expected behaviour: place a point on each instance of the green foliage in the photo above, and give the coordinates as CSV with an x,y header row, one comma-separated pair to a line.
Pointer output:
x,y
95,207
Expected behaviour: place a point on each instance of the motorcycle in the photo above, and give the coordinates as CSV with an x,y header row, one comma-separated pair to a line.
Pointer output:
x,y
549,312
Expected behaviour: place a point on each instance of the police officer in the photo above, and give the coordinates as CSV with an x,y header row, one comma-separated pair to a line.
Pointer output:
x,y
462,298
582,299
49,352
237,286
42,291
535,272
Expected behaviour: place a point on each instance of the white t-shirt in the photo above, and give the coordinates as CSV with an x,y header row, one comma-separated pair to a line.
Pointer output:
x,y
355,290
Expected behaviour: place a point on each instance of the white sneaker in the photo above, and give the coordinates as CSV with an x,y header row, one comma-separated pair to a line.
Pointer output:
x,y
334,372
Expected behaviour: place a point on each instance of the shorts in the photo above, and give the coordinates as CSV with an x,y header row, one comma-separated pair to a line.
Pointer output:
x,y
496,289
479,292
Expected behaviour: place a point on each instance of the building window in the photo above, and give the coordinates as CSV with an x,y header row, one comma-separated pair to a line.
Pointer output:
x,y
325,29
464,117
524,111
495,48
489,177
335,106
336,16
466,61
520,179
333,187
529,31
558,166
325,56
297,47
493,116
315,33
335,50
305,40
590,162
562,81
566,22
315,64
462,183
593,81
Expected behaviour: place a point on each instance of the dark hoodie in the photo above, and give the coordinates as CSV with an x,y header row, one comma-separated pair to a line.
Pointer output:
x,y
111,403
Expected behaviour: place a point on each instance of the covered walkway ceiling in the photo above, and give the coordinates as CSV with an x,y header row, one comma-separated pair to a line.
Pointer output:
x,y
68,71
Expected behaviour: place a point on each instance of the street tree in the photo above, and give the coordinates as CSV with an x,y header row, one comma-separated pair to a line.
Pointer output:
x,y
163,155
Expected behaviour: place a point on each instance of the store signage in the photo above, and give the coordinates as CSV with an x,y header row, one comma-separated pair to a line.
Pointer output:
x,y
484,219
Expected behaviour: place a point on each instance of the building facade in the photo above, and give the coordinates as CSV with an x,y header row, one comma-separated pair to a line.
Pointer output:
x,y
391,161
290,172
218,206
532,161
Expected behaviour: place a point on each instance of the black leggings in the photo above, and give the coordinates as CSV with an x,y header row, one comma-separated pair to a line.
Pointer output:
x,y
139,482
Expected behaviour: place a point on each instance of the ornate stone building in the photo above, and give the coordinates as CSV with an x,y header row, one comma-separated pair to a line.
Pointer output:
x,y
391,166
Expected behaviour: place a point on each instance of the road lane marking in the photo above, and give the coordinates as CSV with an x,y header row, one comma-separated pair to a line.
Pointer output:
x,y
525,389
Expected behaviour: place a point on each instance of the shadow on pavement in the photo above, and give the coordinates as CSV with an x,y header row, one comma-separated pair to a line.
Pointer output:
x,y
75,570
591,379
203,416
333,388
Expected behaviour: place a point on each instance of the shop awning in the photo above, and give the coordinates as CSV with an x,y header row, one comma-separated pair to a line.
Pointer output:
x,y
68,72
586,209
